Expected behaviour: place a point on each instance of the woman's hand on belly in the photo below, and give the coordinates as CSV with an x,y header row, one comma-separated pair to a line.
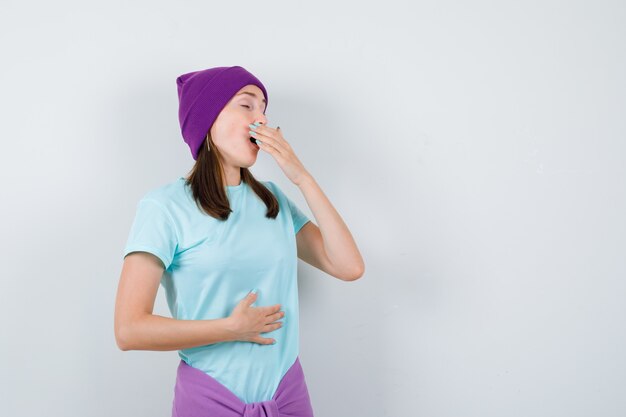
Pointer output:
x,y
248,322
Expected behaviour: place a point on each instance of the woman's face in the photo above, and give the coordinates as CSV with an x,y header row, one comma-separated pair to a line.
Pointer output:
x,y
230,130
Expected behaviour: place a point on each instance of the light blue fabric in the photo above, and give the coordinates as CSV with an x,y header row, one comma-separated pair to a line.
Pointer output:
x,y
210,265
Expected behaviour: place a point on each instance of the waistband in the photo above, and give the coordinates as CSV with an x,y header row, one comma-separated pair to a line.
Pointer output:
x,y
197,394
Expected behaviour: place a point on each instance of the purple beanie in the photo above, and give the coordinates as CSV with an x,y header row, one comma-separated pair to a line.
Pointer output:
x,y
203,94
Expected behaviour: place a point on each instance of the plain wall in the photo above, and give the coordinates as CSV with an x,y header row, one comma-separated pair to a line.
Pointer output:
x,y
476,150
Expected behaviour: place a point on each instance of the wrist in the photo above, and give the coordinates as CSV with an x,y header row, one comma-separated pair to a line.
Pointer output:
x,y
230,329
306,179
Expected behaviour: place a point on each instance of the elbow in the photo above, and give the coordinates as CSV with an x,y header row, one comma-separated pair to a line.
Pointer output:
x,y
356,273
128,334
121,339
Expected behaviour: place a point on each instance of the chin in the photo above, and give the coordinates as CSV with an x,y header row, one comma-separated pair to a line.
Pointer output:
x,y
249,163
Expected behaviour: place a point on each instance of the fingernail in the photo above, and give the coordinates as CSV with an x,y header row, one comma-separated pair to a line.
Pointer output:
x,y
254,291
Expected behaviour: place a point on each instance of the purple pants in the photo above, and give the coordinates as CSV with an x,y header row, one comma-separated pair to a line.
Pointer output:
x,y
197,394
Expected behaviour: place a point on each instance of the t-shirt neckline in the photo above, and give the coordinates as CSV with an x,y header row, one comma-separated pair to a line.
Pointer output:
x,y
231,188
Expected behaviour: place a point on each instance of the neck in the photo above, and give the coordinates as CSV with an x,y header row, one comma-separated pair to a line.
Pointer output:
x,y
233,176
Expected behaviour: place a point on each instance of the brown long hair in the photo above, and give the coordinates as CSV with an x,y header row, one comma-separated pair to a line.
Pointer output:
x,y
206,180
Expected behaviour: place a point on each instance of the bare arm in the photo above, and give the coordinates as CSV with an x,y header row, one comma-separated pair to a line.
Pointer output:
x,y
330,246
154,332
136,328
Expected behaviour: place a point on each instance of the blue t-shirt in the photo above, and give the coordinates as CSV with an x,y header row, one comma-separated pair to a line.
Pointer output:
x,y
211,265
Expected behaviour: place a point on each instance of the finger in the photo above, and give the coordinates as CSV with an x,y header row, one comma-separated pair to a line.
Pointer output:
x,y
268,148
277,135
262,127
263,341
267,131
278,316
265,137
274,326
250,298
272,309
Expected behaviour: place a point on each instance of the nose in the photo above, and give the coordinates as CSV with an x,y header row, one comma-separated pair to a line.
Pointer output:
x,y
261,118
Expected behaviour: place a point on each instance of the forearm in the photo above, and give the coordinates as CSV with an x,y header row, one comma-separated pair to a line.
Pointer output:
x,y
339,244
154,332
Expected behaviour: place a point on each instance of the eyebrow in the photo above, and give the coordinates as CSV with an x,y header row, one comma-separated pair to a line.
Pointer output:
x,y
253,95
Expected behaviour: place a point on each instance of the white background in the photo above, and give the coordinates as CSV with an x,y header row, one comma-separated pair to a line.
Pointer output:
x,y
476,150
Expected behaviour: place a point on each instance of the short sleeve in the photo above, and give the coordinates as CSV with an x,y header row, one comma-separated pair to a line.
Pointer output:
x,y
298,217
152,231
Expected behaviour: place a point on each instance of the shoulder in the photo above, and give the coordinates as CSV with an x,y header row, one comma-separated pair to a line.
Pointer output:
x,y
275,189
268,184
167,195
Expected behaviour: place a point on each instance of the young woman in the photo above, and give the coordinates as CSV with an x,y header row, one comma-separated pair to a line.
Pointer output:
x,y
214,236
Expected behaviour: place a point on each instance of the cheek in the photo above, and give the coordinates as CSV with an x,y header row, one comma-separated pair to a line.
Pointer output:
x,y
231,123
228,129
226,121
224,128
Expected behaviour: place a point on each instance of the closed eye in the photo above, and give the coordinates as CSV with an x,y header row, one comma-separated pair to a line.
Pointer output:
x,y
244,105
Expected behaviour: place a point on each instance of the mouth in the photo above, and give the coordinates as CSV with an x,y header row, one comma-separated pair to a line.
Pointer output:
x,y
253,143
